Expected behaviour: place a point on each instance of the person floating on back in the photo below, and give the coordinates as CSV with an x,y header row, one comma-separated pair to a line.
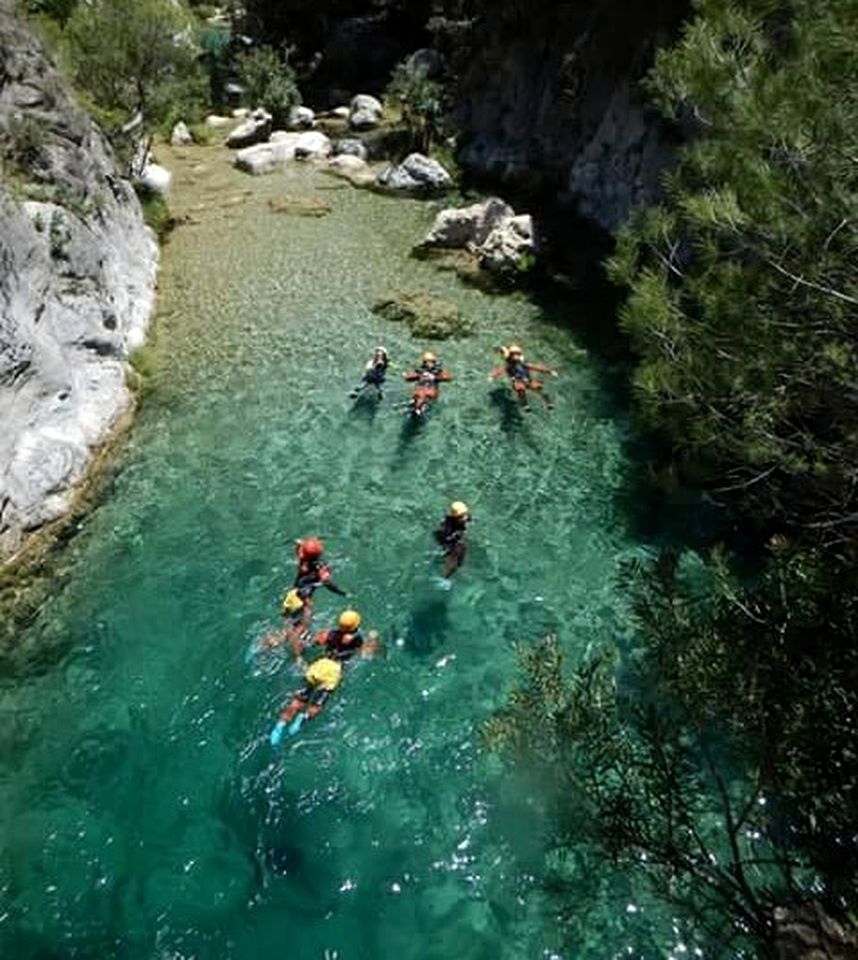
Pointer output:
x,y
520,374
374,374
451,536
426,378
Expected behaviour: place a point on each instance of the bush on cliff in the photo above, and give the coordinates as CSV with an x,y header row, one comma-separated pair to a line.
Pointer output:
x,y
135,56
269,82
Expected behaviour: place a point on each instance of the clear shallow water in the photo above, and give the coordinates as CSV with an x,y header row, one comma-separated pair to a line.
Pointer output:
x,y
143,811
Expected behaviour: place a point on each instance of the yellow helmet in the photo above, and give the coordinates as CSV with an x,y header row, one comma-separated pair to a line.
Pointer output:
x,y
459,509
513,350
324,673
428,357
349,620
292,602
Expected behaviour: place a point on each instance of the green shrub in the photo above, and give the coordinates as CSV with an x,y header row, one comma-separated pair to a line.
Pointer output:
x,y
269,82
156,212
420,102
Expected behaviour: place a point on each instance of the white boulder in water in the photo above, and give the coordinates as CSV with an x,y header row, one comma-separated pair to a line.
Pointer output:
x,y
301,118
266,157
365,112
216,122
156,178
253,130
312,144
181,136
468,226
508,244
416,174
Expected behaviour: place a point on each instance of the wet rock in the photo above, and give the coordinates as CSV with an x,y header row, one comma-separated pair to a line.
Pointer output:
x,y
350,146
365,112
301,118
501,241
427,316
156,178
426,62
340,113
508,246
217,122
254,129
267,157
311,145
467,226
181,135
417,174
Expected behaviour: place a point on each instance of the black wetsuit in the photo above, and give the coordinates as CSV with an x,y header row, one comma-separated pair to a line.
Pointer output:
x,y
451,532
342,644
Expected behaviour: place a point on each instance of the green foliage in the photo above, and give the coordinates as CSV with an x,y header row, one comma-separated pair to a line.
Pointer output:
x,y
156,212
269,82
131,55
742,290
22,142
719,760
57,10
421,104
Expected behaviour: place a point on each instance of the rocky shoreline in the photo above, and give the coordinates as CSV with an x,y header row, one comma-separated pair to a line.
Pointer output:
x,y
77,289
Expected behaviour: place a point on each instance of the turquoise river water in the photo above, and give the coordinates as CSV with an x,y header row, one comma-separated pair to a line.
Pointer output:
x,y
144,813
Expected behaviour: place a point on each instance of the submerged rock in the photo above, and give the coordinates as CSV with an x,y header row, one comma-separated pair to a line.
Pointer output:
x,y
427,316
351,168
254,129
365,112
416,174
299,206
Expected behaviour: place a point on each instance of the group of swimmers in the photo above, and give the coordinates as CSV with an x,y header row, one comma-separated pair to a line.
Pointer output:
x,y
430,373
344,641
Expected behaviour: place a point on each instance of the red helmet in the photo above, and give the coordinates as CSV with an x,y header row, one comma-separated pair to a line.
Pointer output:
x,y
312,548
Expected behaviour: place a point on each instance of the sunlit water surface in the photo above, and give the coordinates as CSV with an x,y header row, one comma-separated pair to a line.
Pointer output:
x,y
144,813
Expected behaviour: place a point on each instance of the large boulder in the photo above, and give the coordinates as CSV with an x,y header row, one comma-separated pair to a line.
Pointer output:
x,y
416,174
311,145
427,316
468,226
350,146
254,129
426,62
365,112
267,157
217,122
301,118
181,136
508,247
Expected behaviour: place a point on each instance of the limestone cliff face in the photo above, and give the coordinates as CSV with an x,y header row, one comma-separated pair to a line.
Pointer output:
x,y
77,281
552,91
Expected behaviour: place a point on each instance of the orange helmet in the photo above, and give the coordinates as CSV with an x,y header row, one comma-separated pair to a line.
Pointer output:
x,y
311,549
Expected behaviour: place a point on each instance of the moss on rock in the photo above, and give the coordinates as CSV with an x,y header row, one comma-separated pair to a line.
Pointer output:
x,y
428,317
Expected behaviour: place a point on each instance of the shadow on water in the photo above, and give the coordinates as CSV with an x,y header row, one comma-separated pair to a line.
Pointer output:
x,y
428,625
365,407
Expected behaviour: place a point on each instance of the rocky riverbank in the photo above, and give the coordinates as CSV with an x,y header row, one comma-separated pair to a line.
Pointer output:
x,y
77,287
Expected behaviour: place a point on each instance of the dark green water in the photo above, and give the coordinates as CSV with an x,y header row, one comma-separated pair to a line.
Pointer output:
x,y
144,813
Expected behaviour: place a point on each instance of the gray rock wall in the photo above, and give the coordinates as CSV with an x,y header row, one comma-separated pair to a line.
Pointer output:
x,y
77,284
551,95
